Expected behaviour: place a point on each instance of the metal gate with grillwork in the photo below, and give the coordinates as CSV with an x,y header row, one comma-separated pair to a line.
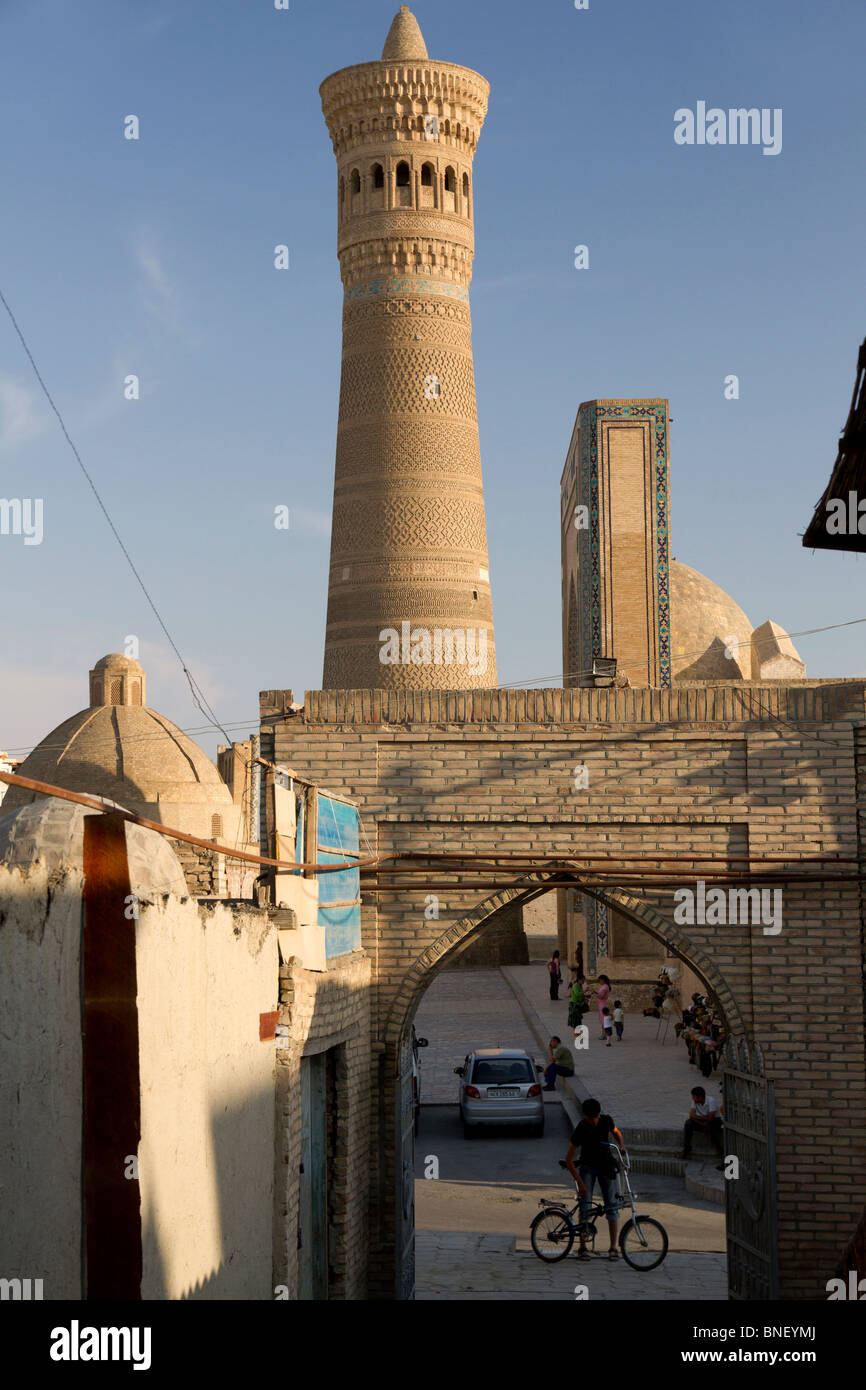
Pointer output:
x,y
750,1198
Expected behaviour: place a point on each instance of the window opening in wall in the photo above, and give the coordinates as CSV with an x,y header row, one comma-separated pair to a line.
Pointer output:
x,y
450,180
216,827
427,176
378,176
403,174
355,181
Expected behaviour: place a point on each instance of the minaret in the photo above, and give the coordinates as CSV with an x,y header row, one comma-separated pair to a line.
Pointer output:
x,y
409,589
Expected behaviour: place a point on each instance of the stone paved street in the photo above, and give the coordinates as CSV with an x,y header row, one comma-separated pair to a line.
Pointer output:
x,y
463,1009
473,1221
454,1265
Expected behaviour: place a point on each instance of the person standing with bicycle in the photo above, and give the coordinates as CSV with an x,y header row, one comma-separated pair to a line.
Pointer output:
x,y
596,1164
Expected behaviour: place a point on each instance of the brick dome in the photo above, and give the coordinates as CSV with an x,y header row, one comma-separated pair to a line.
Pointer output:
x,y
405,40
703,620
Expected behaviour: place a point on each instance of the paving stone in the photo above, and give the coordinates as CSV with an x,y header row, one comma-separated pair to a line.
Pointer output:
x,y
468,1270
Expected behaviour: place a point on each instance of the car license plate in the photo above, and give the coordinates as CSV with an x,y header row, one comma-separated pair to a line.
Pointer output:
x,y
505,1093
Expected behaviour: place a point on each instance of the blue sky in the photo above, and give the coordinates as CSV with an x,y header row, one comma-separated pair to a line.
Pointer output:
x,y
155,257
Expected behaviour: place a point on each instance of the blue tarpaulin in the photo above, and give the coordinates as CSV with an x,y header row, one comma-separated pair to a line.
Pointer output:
x,y
340,893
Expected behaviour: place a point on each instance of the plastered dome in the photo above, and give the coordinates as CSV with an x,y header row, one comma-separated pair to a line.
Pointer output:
x,y
129,753
51,833
704,619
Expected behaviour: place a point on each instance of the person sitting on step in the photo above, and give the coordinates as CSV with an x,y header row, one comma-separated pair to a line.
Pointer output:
x,y
704,1118
561,1063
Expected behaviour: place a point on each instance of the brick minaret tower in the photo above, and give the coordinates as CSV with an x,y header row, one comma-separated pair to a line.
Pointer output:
x,y
409,589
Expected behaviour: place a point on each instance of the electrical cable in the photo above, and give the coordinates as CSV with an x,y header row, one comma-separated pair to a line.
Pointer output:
x,y
195,688
537,682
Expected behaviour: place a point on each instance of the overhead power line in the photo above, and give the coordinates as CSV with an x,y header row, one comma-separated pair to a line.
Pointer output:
x,y
195,689
538,681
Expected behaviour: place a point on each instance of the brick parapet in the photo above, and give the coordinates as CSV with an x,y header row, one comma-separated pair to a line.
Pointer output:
x,y
734,703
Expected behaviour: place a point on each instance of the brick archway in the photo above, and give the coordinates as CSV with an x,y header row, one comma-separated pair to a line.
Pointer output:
x,y
457,937
731,774
460,934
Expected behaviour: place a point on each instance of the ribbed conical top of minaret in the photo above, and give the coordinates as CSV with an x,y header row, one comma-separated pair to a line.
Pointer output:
x,y
409,588
405,39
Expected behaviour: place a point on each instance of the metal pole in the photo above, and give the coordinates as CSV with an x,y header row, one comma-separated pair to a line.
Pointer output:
x,y
255,829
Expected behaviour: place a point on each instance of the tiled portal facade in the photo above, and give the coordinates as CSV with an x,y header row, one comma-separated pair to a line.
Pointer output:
x,y
614,511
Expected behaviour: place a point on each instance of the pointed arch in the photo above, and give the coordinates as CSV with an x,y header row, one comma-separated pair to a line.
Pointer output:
x,y
461,934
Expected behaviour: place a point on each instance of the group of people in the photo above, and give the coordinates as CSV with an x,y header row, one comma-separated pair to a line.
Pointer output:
x,y
610,1017
703,1034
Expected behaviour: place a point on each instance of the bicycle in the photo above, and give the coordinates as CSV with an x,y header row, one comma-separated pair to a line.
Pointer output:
x,y
643,1240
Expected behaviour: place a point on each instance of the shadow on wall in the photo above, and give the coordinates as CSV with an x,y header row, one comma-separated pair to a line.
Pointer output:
x,y
235,1238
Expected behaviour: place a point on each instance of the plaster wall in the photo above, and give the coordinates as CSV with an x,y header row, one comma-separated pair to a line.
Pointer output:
x,y
40,1078
207,1109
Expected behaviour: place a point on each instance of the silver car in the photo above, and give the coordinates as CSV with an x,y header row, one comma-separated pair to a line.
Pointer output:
x,y
499,1086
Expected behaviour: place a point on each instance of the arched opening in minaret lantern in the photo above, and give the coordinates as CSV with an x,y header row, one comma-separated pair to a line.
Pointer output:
x,y
428,186
450,189
377,185
404,185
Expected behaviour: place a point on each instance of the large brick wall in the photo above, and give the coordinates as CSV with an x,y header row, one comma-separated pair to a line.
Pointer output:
x,y
723,771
